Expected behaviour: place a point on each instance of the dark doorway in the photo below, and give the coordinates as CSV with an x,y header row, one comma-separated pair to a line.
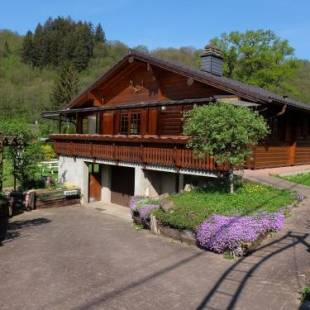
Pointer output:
x,y
94,182
122,185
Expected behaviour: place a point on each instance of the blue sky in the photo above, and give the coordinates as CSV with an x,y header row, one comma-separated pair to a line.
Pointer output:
x,y
165,23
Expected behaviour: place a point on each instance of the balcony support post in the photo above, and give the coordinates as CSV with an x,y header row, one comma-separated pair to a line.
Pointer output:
x,y
180,182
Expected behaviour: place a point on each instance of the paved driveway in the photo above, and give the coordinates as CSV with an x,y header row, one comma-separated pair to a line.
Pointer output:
x,y
81,258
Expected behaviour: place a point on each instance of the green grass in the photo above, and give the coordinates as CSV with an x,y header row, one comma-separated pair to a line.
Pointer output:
x,y
192,208
301,178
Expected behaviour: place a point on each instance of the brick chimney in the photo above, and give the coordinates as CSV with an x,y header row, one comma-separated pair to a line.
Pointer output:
x,y
212,60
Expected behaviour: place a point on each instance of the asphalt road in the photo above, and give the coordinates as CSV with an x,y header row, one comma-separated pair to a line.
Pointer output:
x,y
80,258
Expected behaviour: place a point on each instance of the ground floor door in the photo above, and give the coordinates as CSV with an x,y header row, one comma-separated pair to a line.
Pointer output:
x,y
122,185
94,182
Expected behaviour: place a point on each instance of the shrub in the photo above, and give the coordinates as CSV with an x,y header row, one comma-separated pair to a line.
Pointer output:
x,y
220,233
225,132
48,152
305,294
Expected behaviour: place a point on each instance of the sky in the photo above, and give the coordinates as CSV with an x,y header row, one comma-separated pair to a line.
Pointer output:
x,y
169,23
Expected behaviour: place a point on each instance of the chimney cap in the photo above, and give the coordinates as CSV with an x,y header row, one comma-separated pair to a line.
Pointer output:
x,y
212,50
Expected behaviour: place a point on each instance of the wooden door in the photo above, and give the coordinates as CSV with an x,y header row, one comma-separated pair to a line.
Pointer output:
x,y
122,185
94,183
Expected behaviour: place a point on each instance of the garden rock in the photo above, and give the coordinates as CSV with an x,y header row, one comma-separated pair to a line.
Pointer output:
x,y
167,204
188,188
163,196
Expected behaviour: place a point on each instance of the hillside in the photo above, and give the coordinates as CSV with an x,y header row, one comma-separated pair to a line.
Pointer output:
x,y
25,90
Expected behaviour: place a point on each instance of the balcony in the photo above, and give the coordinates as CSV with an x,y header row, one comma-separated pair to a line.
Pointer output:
x,y
167,151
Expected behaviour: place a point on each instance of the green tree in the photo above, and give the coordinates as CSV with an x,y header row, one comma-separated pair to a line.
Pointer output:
x,y
300,82
141,48
99,34
66,86
26,153
257,57
61,40
184,55
39,46
6,49
225,132
27,49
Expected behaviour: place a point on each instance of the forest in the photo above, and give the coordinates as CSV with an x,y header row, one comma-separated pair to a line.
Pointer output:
x,y
45,68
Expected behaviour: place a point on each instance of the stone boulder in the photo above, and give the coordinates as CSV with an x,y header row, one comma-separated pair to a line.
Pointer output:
x,y
163,196
166,204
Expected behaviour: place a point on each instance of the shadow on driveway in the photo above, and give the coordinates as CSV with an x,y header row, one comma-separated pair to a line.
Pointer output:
x,y
246,266
12,230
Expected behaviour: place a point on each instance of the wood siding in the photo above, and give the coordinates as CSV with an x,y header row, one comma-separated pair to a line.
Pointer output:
x,y
280,155
174,86
140,82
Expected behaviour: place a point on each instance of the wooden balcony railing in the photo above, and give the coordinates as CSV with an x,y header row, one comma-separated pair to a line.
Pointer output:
x,y
163,151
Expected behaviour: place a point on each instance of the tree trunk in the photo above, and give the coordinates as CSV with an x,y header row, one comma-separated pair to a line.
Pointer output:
x,y
231,181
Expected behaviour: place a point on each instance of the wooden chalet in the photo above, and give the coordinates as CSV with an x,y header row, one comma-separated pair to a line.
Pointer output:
x,y
128,128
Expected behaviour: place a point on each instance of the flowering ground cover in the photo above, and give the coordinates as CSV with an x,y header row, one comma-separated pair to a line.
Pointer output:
x,y
221,233
143,207
193,208
301,178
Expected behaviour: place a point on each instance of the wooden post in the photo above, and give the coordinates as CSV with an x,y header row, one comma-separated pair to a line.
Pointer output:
x,y
59,125
292,154
180,182
142,153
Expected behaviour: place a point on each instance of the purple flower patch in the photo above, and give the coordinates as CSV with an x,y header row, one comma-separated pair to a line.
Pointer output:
x,y
146,211
142,208
220,233
133,204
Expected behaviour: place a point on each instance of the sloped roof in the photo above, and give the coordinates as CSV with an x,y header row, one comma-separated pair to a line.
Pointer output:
x,y
237,88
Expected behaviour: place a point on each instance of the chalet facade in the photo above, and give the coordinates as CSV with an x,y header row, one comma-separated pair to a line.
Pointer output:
x,y
128,128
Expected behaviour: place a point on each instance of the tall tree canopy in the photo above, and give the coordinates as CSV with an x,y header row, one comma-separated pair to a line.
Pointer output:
x,y
66,86
99,34
257,57
60,40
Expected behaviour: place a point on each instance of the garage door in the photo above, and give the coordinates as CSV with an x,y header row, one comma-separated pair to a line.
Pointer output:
x,y
122,185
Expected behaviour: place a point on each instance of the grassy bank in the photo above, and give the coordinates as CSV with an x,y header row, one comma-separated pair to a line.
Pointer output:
x,y
301,178
192,208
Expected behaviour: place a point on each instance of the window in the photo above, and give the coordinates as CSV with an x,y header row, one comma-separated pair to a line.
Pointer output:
x,y
130,123
93,168
89,124
124,124
135,121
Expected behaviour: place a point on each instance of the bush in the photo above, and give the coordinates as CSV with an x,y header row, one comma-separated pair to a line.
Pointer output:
x,y
225,132
220,233
305,294
48,152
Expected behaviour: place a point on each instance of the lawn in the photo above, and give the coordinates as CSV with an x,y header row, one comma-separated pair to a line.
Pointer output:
x,y
192,208
301,178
